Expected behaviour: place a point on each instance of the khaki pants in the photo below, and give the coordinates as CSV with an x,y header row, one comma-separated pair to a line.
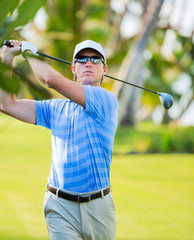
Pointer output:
x,y
68,220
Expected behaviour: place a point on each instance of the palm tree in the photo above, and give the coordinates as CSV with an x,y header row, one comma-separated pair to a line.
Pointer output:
x,y
131,68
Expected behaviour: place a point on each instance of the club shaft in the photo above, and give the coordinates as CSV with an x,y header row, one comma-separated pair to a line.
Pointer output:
x,y
53,58
7,43
131,84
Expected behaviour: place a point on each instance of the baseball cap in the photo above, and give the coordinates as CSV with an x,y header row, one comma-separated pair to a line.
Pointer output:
x,y
88,44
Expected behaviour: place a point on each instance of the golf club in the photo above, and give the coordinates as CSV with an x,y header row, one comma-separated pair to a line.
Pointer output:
x,y
165,98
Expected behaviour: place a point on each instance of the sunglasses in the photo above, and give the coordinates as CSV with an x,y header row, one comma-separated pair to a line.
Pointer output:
x,y
93,59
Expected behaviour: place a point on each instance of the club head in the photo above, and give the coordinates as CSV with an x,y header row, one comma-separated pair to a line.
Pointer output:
x,y
166,100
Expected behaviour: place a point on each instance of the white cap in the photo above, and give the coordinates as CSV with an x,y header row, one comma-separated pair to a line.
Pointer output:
x,y
88,44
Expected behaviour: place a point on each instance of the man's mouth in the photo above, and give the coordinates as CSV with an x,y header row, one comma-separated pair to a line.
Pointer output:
x,y
88,72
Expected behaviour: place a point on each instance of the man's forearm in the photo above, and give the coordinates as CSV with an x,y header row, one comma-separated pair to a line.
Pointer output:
x,y
5,101
7,60
43,71
53,79
23,110
5,98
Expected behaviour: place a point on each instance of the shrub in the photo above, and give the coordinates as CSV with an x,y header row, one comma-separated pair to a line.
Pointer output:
x,y
150,138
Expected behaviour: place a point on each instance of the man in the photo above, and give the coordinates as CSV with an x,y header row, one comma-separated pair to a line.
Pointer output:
x,y
78,203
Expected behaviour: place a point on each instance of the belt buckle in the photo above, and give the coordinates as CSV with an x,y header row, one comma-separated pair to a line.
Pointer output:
x,y
85,199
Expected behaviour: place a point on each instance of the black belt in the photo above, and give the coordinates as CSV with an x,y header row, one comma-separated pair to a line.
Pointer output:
x,y
78,198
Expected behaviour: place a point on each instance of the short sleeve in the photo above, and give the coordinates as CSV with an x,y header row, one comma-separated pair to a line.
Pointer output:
x,y
43,113
100,103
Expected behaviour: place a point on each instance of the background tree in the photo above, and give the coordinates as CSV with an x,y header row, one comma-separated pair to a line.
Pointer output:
x,y
133,64
138,57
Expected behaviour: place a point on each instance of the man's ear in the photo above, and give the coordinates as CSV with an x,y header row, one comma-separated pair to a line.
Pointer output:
x,y
105,70
73,68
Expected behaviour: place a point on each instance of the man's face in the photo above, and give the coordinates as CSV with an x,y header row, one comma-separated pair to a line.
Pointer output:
x,y
89,73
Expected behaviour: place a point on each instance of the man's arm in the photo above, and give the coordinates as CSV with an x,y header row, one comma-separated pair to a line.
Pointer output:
x,y
53,79
23,110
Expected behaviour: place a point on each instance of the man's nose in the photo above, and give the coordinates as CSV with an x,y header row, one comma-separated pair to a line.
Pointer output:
x,y
88,62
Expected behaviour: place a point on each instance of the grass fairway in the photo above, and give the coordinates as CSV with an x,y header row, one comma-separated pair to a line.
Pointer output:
x,y
153,194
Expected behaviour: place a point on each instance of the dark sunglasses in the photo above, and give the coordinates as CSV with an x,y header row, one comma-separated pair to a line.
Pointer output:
x,y
93,59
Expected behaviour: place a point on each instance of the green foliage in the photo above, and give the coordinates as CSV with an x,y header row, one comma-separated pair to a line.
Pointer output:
x,y
164,71
7,83
97,11
182,139
13,84
184,53
7,9
78,21
150,138
16,14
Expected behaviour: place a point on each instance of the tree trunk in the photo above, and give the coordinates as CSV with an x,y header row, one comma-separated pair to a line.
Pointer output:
x,y
115,31
133,63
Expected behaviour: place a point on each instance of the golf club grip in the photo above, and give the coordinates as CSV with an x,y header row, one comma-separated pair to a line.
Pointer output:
x,y
7,43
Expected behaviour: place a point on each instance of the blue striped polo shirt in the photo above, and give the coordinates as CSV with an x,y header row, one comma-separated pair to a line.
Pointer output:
x,y
82,139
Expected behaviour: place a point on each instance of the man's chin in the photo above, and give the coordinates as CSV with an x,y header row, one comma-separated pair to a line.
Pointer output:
x,y
89,81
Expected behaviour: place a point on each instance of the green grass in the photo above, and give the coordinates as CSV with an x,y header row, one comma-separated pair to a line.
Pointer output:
x,y
153,193
154,196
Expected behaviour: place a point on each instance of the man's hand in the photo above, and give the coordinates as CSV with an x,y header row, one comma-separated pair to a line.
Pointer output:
x,y
10,52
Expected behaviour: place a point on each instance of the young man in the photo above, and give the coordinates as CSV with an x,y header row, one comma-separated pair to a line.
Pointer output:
x,y
78,203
